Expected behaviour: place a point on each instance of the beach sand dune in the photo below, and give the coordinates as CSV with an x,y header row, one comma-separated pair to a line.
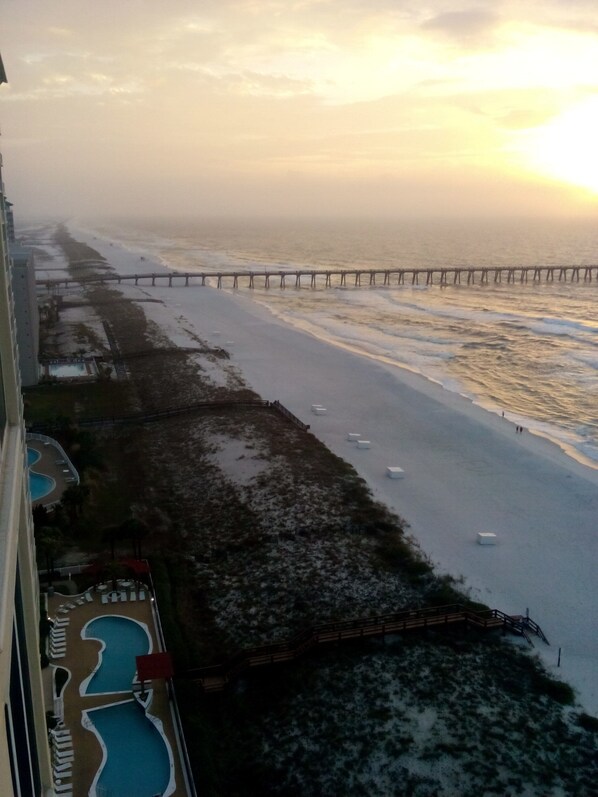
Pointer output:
x,y
466,470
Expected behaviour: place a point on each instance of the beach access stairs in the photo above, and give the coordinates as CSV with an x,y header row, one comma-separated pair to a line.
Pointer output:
x,y
216,677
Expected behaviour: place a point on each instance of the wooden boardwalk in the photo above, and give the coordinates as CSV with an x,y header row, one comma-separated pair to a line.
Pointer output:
x,y
216,677
341,278
151,416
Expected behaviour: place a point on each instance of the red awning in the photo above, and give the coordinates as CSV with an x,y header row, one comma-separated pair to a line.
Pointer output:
x,y
154,665
136,565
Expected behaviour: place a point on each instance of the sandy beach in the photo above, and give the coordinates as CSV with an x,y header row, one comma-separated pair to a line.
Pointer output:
x,y
466,470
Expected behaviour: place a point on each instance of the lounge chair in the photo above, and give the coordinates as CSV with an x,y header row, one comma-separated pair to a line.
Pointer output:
x,y
59,769
57,651
60,734
80,601
60,621
113,597
66,757
133,596
62,743
57,744
57,655
63,787
68,773
57,637
63,748
71,606
141,595
88,597
104,599
123,595
63,610
62,756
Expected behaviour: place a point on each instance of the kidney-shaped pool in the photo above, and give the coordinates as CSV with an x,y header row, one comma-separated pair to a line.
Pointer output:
x,y
122,640
137,758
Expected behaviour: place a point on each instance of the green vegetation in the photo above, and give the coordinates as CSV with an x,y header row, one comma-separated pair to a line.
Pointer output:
x,y
54,404
61,676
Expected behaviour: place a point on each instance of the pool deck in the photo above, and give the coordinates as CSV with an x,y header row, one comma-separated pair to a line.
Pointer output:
x,y
80,660
49,466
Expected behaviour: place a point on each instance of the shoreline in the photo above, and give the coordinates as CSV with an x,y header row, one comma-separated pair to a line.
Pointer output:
x,y
541,429
466,470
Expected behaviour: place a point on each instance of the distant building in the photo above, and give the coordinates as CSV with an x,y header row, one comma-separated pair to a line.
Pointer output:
x,y
26,312
10,222
25,768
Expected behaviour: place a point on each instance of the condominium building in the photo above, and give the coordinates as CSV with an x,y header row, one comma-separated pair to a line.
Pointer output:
x,y
24,754
26,312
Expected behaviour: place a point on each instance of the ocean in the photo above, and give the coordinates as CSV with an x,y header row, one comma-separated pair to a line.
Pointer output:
x,y
529,350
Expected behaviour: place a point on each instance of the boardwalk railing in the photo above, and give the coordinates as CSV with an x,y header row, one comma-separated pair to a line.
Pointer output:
x,y
342,277
216,677
152,416
280,408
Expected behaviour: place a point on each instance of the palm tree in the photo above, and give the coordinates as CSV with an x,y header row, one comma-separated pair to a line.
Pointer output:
x,y
40,516
112,534
136,531
73,499
114,570
49,542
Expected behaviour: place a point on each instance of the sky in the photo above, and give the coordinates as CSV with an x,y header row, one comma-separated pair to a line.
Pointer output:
x,y
395,108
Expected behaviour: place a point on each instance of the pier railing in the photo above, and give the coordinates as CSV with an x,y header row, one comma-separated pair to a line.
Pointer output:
x,y
340,278
215,678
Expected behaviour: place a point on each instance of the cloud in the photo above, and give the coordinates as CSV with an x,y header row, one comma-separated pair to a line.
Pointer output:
x,y
472,27
136,93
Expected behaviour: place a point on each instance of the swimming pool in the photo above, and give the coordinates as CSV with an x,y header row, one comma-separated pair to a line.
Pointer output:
x,y
137,759
68,370
122,640
39,485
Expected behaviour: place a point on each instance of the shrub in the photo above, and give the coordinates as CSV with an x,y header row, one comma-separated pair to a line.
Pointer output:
x,y
553,688
61,676
587,722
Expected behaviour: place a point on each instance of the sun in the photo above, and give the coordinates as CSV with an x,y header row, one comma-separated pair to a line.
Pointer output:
x,y
566,148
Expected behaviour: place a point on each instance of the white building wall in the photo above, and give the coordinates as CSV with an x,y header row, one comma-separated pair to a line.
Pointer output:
x,y
19,605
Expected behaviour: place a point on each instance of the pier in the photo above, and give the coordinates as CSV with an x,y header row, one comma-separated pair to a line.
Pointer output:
x,y
341,278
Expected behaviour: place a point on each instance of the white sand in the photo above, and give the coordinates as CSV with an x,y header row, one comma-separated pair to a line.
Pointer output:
x,y
466,470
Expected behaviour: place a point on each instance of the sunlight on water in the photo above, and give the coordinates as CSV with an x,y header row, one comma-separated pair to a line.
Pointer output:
x,y
530,350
